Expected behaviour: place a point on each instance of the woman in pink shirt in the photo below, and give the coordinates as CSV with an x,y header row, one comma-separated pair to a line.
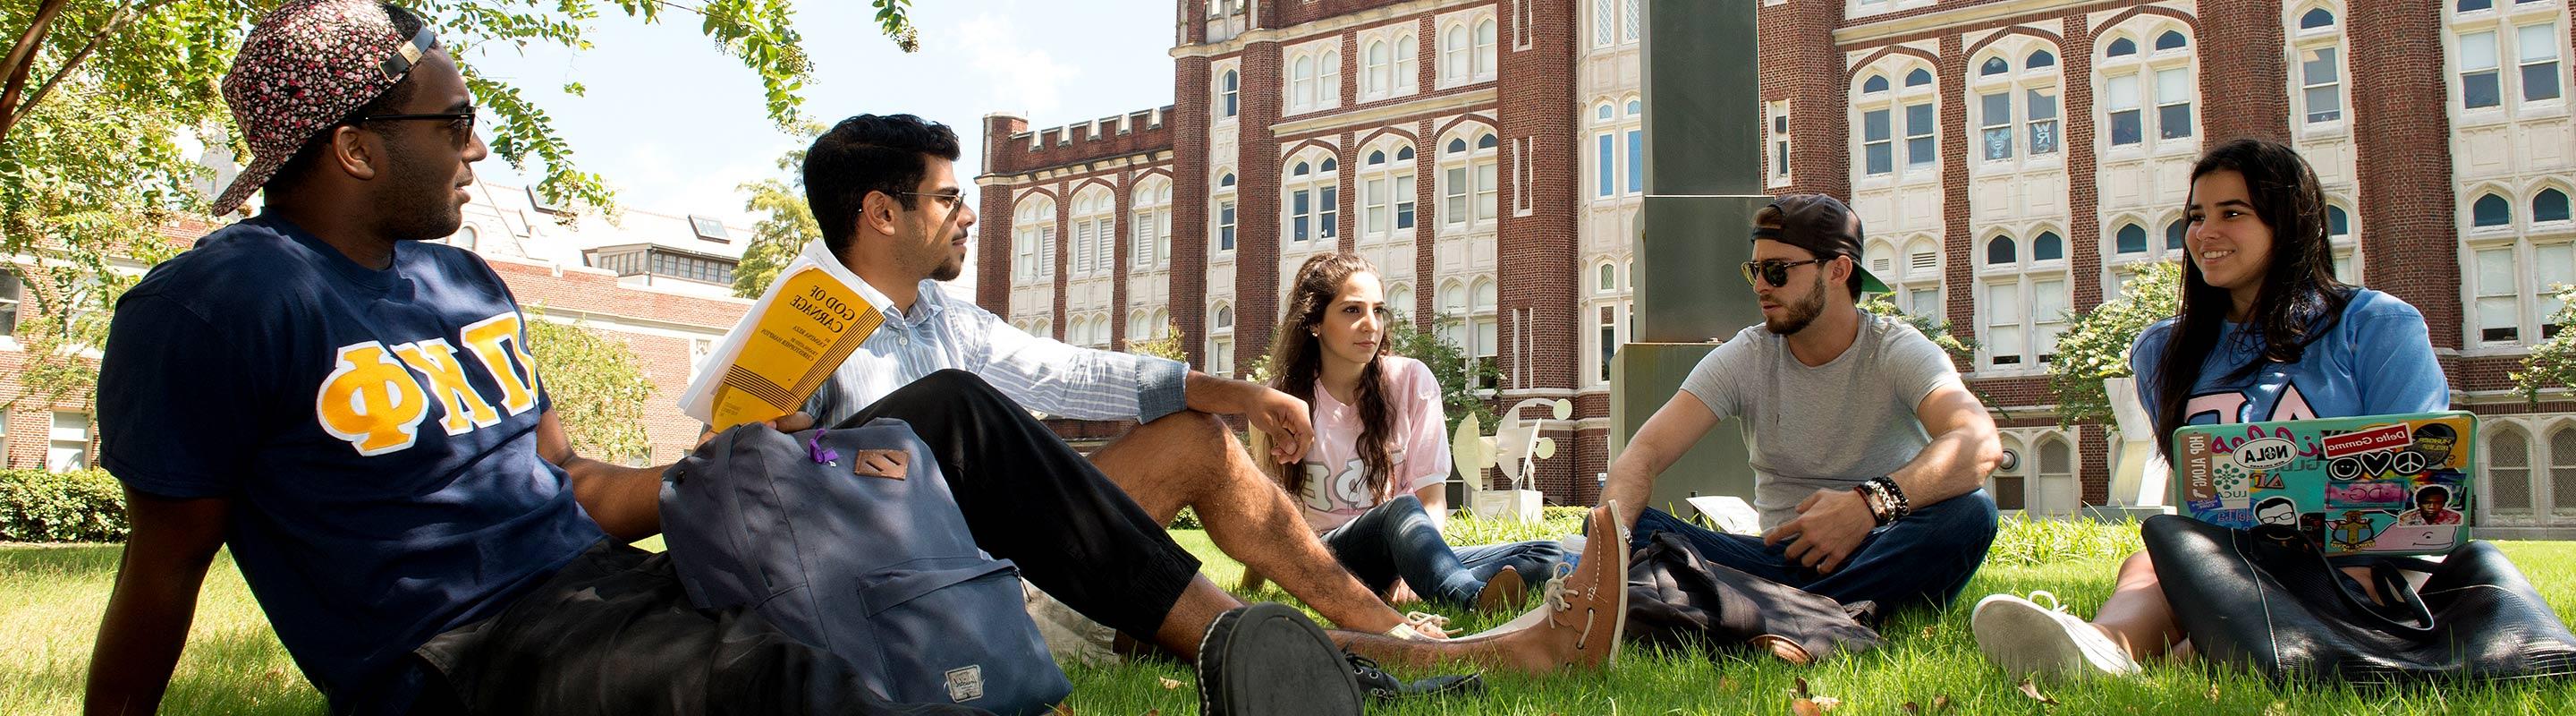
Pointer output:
x,y
1374,484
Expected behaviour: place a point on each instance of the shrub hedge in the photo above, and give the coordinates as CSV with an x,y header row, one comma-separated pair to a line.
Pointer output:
x,y
40,506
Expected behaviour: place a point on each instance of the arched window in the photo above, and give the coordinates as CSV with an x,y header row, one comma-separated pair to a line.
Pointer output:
x,y
2023,301
1454,50
1918,78
1386,193
2048,247
2316,18
2170,41
1228,93
1150,224
2175,232
1994,66
2338,223
2508,477
1033,239
1094,231
1485,48
2120,47
2001,99
1379,77
2000,251
2130,240
2146,101
2550,205
1873,84
1312,198
1470,182
2490,210
2039,59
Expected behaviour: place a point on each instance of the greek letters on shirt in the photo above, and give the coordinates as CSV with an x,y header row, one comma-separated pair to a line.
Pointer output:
x,y
2228,406
376,396
1346,491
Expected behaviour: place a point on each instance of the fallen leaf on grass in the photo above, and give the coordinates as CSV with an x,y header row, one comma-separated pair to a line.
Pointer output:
x,y
1806,707
1171,683
1929,631
1941,704
2033,692
2213,692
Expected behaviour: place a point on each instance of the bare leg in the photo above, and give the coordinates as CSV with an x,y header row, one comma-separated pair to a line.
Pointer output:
x,y
1190,459
2136,617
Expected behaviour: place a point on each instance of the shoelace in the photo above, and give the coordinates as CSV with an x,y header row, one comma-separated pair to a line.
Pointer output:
x,y
2052,601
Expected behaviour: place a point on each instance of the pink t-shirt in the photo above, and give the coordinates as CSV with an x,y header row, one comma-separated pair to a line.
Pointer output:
x,y
1337,479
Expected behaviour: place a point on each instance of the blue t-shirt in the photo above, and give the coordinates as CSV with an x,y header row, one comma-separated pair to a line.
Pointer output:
x,y
374,430
2376,360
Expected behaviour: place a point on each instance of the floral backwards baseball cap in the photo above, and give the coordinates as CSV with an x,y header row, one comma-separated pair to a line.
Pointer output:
x,y
304,68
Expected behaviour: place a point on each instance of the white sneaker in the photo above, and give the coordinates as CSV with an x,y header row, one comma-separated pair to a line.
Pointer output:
x,y
2025,638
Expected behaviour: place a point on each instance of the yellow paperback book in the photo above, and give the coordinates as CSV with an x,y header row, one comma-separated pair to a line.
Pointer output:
x,y
791,340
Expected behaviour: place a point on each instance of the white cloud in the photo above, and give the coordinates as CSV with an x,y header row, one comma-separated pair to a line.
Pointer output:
x,y
1020,77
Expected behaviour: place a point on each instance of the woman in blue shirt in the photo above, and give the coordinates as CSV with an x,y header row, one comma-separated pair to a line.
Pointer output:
x,y
2265,333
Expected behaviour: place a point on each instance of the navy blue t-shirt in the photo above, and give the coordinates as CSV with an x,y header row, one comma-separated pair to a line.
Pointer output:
x,y
374,430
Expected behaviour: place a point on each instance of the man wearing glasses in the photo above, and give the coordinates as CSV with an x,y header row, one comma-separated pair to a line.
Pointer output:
x,y
1868,453
355,414
885,191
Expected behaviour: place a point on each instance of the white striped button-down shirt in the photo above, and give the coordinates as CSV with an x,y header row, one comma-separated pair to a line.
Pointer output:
x,y
1039,373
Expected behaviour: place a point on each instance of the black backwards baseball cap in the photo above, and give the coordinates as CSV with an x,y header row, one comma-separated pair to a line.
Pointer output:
x,y
1820,224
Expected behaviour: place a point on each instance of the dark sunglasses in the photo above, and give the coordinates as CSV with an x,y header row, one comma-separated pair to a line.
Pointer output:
x,y
459,122
1775,271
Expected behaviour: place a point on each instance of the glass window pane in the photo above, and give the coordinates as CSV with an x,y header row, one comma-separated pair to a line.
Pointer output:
x,y
2481,89
2490,210
2540,81
2175,233
1874,125
1996,108
2123,91
1636,161
2477,51
2126,127
2047,247
2173,85
2318,66
2001,251
2551,205
1923,301
1919,119
2048,300
2173,121
1998,141
2324,104
1607,164
2538,42
1882,158
2132,240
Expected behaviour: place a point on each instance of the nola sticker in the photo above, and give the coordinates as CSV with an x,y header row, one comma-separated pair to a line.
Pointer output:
x,y
966,683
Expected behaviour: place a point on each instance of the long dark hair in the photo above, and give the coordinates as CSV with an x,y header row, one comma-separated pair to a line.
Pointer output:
x,y
1298,360
2299,299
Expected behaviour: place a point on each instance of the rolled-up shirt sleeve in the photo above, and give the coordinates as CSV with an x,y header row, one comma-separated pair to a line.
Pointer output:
x,y
1067,381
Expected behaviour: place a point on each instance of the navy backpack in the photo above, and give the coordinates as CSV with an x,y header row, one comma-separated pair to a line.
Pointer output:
x,y
852,543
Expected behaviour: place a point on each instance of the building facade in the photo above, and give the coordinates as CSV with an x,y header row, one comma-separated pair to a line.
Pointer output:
x,y
2013,160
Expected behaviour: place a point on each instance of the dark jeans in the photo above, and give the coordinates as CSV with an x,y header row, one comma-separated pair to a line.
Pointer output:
x,y
1396,540
614,632
1922,560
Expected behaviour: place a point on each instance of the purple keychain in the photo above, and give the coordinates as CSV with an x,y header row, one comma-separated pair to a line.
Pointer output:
x,y
814,449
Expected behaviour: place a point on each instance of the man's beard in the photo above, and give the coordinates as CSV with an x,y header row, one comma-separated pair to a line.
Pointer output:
x,y
950,266
1803,312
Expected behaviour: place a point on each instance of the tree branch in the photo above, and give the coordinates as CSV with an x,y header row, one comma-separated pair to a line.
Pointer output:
x,y
124,15
22,57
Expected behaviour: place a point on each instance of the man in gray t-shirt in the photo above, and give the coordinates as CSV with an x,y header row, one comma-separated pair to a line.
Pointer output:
x,y
1869,455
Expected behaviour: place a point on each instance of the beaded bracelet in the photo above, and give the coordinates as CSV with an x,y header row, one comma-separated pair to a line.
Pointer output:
x,y
1899,506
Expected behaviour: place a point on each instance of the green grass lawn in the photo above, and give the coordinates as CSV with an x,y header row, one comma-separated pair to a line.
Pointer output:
x,y
50,597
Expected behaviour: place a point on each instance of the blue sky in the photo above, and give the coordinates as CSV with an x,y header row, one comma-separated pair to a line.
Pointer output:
x,y
675,125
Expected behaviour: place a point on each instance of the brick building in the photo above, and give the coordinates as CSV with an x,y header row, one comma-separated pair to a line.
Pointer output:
x,y
666,303
2012,159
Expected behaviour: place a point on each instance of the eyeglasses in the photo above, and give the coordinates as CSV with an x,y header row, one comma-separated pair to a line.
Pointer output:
x,y
1775,271
956,201
461,123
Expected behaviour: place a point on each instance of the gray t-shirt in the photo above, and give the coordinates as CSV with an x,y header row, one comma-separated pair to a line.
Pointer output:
x,y
1829,426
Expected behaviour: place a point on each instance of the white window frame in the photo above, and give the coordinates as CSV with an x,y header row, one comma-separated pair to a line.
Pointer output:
x,y
2536,254
2303,84
1386,187
2507,20
1033,238
67,449
1322,189
2019,85
1220,353
2146,69
1775,123
1487,34
1229,100
1472,178
1911,274
1220,199
1617,294
1095,232
2025,277
1902,136
1150,224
